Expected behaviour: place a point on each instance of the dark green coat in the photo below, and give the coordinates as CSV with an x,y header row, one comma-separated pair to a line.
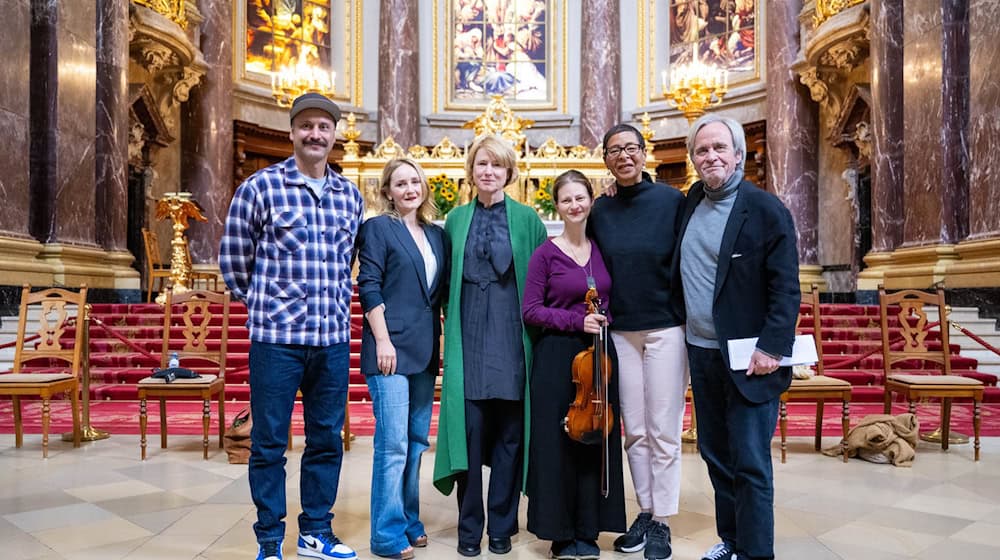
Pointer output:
x,y
527,232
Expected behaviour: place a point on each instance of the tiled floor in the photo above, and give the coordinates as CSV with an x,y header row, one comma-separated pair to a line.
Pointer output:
x,y
101,502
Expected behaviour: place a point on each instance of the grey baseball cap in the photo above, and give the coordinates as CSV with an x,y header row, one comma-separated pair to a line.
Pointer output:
x,y
314,101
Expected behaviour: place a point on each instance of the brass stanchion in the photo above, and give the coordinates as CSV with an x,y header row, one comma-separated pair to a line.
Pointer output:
x,y
178,206
953,437
87,432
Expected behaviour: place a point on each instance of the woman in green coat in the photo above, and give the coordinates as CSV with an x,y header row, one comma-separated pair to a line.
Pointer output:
x,y
487,351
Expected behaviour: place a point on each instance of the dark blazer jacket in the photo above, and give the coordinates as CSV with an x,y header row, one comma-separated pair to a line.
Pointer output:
x,y
391,271
756,285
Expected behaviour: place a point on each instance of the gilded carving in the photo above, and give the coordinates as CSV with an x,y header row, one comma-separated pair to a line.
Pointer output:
x,y
389,149
818,89
826,9
844,56
499,119
187,80
156,57
446,149
174,10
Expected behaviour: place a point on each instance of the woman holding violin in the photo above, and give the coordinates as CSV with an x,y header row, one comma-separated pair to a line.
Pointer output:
x,y
575,488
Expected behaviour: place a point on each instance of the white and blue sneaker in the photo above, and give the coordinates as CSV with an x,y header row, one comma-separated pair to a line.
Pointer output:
x,y
324,546
269,551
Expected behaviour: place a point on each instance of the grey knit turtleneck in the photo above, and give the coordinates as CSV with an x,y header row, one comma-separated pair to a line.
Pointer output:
x,y
700,259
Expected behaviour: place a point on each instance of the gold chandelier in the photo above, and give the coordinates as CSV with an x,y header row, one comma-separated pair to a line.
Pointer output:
x,y
290,82
694,87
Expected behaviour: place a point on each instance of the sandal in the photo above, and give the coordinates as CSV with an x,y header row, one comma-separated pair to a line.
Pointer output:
x,y
419,542
405,554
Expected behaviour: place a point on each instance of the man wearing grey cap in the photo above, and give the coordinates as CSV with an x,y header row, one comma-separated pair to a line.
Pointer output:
x,y
286,253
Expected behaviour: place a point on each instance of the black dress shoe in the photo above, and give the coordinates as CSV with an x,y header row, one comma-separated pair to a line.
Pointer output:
x,y
469,550
499,545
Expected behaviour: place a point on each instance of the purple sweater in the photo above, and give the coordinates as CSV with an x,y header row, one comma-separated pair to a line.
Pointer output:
x,y
555,288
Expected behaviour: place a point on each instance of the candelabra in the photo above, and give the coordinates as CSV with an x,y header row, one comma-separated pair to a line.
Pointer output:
x,y
694,87
290,82
179,207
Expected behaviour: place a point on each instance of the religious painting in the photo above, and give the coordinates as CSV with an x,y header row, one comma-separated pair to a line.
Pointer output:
x,y
718,32
499,47
289,35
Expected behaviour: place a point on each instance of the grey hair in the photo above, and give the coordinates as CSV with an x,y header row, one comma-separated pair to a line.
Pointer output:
x,y
735,128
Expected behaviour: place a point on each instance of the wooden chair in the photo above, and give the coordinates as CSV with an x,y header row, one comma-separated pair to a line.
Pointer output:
x,y
194,315
206,277
912,317
819,387
156,269
58,308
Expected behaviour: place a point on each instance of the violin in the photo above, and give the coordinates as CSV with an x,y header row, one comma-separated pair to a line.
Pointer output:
x,y
590,417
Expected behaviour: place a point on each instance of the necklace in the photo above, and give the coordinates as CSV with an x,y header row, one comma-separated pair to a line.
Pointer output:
x,y
589,269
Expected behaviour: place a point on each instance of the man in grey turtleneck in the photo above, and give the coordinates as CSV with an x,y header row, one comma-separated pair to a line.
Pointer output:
x,y
736,273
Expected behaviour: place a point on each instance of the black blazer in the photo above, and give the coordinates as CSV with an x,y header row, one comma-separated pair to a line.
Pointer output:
x,y
391,271
756,284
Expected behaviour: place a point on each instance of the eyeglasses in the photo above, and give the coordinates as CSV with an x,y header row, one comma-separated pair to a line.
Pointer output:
x,y
629,149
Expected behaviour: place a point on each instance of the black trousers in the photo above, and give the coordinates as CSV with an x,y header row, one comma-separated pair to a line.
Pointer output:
x,y
494,436
734,438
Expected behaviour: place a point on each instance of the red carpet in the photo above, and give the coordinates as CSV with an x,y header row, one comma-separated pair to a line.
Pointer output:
x,y
184,417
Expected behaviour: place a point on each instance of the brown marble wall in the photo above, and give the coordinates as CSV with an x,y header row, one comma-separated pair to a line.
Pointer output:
x,y
15,44
600,61
111,146
63,119
792,128
984,120
887,124
207,142
399,72
922,118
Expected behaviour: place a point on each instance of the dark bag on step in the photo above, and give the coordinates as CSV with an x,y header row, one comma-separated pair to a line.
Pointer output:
x,y
236,440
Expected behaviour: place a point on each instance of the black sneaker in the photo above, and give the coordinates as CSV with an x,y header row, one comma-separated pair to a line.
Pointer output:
x,y
587,549
658,542
635,539
720,551
563,550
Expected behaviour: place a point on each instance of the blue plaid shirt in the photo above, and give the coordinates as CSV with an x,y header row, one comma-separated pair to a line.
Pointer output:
x,y
287,255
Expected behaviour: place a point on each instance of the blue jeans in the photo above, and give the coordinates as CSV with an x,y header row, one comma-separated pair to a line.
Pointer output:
x,y
277,371
402,405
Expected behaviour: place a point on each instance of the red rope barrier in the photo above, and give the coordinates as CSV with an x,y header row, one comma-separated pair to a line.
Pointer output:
x,y
14,342
857,359
124,340
973,336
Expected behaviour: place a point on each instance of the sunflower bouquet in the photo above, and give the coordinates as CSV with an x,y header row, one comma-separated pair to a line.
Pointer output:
x,y
544,202
445,193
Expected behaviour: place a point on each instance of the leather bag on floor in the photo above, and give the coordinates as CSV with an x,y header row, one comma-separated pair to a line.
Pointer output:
x,y
236,440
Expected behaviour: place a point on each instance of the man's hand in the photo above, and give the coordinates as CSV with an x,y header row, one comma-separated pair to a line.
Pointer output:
x,y
761,364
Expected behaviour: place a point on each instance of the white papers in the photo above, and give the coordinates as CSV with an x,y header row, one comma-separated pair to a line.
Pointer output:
x,y
803,352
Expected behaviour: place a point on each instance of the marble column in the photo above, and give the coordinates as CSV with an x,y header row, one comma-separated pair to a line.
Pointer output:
x,y
792,132
887,124
600,63
984,75
111,150
63,117
399,72
207,139
955,124
15,93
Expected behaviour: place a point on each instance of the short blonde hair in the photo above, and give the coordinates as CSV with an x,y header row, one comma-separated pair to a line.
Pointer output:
x,y
500,150
427,210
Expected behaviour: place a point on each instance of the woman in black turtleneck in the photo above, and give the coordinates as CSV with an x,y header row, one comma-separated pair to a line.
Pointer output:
x,y
636,231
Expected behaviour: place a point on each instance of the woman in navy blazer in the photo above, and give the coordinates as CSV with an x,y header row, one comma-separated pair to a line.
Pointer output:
x,y
403,272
